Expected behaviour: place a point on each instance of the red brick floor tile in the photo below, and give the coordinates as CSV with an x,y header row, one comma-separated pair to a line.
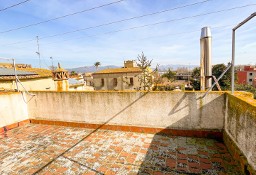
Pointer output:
x,y
158,173
204,160
205,166
193,165
195,170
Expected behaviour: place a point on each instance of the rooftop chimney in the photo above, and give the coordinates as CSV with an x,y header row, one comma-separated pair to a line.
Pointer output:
x,y
206,58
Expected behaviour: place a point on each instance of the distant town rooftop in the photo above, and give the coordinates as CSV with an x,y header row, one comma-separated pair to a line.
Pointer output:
x,y
119,70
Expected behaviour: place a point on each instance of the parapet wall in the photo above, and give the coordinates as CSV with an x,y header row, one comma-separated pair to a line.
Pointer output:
x,y
240,130
171,110
178,110
13,109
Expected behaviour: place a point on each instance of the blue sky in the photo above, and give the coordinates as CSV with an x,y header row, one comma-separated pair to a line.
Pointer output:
x,y
174,42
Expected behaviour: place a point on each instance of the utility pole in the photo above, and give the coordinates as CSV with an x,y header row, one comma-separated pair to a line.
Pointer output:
x,y
38,51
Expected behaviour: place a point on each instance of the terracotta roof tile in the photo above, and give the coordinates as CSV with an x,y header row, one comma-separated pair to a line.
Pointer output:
x,y
119,70
41,72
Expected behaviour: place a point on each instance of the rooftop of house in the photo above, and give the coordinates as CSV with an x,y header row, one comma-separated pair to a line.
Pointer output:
x,y
11,72
41,72
24,73
248,69
119,70
9,65
47,149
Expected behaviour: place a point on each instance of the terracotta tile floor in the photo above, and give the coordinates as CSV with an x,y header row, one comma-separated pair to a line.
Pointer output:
x,y
45,149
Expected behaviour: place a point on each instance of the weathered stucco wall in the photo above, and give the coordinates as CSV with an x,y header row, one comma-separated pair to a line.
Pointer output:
x,y
181,110
12,108
240,126
30,84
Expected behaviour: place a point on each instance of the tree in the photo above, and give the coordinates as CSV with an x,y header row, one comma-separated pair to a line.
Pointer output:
x,y
225,81
97,64
217,70
146,78
170,75
73,73
195,81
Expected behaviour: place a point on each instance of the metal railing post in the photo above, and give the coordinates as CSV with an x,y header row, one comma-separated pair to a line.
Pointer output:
x,y
233,50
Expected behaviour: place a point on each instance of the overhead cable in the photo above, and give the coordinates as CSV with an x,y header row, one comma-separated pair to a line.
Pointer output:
x,y
60,17
14,5
146,25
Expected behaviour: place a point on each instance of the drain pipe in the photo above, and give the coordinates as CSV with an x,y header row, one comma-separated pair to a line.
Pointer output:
x,y
233,49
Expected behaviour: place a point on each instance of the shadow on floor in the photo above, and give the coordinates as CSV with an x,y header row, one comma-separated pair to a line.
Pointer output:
x,y
187,155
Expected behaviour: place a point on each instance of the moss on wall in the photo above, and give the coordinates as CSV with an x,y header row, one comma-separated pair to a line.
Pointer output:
x,y
240,126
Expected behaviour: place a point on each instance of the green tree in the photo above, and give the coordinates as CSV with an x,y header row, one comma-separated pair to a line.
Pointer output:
x,y
225,81
97,64
73,73
146,80
170,75
217,70
195,81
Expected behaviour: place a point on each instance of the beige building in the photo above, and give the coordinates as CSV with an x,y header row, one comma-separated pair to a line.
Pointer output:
x,y
126,78
30,78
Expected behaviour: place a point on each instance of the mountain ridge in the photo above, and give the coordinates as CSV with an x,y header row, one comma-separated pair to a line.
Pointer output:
x,y
86,69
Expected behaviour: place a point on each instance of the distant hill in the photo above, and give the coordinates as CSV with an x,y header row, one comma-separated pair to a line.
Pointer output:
x,y
86,69
163,68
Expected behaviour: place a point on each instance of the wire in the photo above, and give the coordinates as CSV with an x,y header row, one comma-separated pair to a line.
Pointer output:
x,y
114,22
170,34
142,26
168,21
60,17
127,19
14,5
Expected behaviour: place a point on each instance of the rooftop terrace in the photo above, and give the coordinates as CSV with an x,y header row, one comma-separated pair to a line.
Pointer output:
x,y
127,133
48,149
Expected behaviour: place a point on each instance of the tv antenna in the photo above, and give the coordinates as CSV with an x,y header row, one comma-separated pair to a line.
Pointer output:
x,y
38,51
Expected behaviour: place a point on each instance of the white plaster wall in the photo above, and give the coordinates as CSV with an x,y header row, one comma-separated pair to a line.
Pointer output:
x,y
184,110
12,108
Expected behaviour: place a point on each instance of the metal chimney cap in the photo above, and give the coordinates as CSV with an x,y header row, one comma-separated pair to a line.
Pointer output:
x,y
206,32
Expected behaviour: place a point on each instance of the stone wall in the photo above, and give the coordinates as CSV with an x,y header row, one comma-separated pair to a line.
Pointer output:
x,y
177,110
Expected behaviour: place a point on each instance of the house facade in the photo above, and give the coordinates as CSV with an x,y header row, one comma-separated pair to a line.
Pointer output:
x,y
126,78
247,76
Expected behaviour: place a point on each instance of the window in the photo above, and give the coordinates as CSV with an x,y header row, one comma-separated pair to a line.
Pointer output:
x,y
250,80
115,82
250,74
131,81
102,82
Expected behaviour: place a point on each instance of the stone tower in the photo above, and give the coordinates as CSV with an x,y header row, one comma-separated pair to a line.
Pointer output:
x,y
60,77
